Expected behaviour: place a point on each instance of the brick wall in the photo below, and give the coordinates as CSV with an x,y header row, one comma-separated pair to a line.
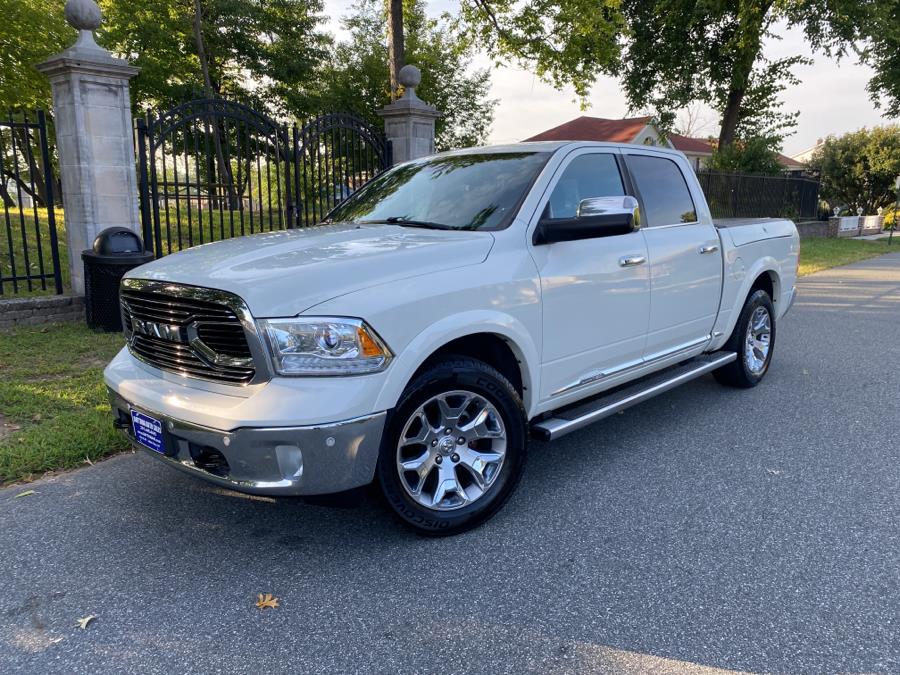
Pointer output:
x,y
41,309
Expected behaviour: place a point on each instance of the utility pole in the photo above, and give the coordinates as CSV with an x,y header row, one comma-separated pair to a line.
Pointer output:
x,y
395,44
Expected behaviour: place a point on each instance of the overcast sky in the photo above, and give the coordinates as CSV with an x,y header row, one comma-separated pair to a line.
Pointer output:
x,y
831,98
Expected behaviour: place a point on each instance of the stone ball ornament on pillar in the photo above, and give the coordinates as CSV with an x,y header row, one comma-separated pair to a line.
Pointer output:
x,y
85,17
410,77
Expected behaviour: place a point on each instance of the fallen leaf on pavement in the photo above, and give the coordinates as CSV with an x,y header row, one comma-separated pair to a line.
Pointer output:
x,y
267,600
25,494
83,623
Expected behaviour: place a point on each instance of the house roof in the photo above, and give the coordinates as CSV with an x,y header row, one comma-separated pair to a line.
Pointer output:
x,y
790,163
625,130
595,129
694,146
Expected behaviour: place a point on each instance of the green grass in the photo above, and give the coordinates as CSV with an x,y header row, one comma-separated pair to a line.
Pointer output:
x,y
55,413
818,253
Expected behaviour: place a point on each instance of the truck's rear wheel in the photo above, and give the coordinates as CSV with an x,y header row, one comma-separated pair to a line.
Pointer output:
x,y
454,447
754,341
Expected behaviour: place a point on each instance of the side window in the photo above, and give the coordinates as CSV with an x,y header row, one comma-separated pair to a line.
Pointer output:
x,y
595,175
665,193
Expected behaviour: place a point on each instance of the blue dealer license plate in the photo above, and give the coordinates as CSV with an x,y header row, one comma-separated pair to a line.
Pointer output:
x,y
148,431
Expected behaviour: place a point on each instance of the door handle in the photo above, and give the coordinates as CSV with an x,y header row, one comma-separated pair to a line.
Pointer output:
x,y
632,260
710,248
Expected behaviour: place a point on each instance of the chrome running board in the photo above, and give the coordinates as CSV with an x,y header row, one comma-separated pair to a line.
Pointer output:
x,y
579,415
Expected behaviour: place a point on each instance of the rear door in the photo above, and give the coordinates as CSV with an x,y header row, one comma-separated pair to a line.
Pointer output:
x,y
684,255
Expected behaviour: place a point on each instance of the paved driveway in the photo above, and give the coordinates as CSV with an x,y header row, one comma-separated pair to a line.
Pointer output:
x,y
707,529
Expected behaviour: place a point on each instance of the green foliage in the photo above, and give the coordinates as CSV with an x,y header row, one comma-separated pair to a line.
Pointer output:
x,y
754,155
882,53
358,77
570,42
259,52
30,31
859,168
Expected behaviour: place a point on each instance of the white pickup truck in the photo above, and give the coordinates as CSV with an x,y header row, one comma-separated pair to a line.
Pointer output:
x,y
450,309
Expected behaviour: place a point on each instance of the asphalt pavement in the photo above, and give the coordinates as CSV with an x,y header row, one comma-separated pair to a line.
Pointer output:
x,y
707,529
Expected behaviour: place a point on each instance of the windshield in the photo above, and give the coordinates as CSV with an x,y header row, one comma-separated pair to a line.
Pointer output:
x,y
458,192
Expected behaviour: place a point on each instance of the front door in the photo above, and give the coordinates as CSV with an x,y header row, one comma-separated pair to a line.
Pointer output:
x,y
595,292
685,260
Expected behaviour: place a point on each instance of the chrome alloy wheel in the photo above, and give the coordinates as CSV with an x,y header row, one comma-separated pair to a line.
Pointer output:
x,y
758,340
451,450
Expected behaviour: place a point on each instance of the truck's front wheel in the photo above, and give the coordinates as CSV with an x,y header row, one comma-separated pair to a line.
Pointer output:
x,y
454,447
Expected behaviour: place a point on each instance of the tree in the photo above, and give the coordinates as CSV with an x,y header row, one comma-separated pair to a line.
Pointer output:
x,y
670,53
396,56
30,31
258,52
754,155
691,121
680,51
859,168
359,80
882,52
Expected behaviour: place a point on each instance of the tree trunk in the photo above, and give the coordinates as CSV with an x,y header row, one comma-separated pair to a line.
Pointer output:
x,y
395,44
7,199
35,170
224,171
730,117
752,23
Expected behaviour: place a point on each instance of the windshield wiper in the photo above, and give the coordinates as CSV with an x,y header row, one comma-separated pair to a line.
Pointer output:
x,y
408,222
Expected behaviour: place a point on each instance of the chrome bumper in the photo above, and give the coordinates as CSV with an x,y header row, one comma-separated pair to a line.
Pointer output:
x,y
306,460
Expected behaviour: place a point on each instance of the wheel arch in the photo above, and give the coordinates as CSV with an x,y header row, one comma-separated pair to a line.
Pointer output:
x,y
500,341
740,284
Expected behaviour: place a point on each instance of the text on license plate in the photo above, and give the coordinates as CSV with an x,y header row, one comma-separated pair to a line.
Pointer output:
x,y
148,431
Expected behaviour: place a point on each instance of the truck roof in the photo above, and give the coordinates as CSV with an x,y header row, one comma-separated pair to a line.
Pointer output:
x,y
552,146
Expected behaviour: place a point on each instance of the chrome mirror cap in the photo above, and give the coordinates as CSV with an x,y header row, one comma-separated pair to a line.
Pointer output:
x,y
600,206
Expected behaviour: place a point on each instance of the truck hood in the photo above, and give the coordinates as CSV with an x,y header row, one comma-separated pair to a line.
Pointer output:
x,y
283,273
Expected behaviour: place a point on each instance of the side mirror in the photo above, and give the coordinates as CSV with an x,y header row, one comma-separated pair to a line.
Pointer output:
x,y
595,217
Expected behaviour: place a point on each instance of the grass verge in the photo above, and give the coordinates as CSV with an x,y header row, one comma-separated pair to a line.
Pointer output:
x,y
54,412
819,253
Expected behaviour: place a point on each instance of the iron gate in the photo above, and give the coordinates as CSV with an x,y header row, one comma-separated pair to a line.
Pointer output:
x,y
29,251
212,169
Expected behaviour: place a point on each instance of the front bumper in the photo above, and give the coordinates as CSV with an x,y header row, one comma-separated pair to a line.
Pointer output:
x,y
302,460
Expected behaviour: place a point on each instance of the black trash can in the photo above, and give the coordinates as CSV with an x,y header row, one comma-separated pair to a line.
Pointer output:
x,y
116,250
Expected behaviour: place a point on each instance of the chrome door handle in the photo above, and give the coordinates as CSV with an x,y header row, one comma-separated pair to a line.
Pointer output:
x,y
711,248
632,260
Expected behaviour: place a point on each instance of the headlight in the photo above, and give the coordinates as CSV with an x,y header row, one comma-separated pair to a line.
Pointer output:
x,y
324,346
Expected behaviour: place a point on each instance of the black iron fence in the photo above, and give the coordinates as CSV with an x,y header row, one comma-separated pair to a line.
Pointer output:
x,y
29,245
212,169
734,195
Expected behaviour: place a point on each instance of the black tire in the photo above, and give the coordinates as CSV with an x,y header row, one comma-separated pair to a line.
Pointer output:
x,y
450,375
738,373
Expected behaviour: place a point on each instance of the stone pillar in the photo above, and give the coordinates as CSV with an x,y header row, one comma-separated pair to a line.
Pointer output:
x,y
409,121
92,115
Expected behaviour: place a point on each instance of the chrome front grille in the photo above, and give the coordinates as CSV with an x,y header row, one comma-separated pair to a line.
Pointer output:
x,y
196,332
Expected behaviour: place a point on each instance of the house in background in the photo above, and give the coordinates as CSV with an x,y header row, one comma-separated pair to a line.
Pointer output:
x,y
806,155
642,131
